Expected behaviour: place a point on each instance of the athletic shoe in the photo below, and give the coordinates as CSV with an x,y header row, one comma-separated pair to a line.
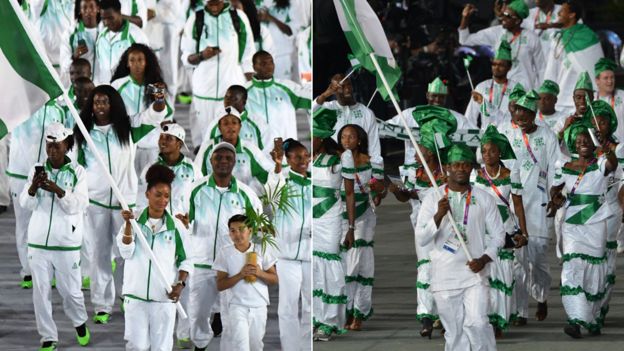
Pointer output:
x,y
53,283
83,340
185,98
48,346
184,343
86,283
26,282
101,318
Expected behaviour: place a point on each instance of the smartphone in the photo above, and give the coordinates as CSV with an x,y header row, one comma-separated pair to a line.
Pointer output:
x,y
278,143
39,169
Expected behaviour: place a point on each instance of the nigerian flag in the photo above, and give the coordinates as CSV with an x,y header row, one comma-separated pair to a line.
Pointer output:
x,y
365,35
26,79
582,46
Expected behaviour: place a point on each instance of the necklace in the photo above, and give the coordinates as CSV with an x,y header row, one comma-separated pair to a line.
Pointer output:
x,y
154,222
497,173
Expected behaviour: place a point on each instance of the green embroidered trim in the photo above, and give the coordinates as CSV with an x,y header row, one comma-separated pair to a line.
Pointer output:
x,y
204,266
591,259
498,321
359,279
421,262
330,299
357,244
54,248
589,326
326,255
611,245
433,317
328,329
516,185
497,182
500,285
570,171
421,285
359,314
506,254
15,175
566,290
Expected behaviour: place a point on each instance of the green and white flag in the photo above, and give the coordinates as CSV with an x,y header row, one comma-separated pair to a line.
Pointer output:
x,y
582,46
365,35
26,79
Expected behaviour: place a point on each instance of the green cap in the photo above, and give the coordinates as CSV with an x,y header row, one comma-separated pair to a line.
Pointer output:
x,y
529,101
504,51
520,8
460,152
492,135
603,109
570,134
425,113
437,87
604,64
584,82
323,122
517,92
549,87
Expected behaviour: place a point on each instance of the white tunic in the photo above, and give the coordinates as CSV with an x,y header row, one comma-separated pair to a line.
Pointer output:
x,y
495,102
537,16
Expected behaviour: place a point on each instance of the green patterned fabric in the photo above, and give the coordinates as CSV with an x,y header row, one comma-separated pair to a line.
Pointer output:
x,y
584,82
323,122
520,8
491,135
603,109
517,92
437,86
604,64
570,134
426,113
460,152
549,87
529,101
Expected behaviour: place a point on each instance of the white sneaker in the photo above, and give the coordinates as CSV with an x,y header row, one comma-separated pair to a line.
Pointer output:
x,y
320,335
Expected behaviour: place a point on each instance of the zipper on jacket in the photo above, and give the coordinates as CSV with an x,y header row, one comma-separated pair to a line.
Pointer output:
x,y
110,170
51,211
302,220
149,268
214,248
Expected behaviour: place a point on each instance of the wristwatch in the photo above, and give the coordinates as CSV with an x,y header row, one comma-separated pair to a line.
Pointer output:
x,y
180,282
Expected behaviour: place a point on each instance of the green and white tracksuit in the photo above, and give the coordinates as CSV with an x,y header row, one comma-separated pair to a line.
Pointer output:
x,y
135,8
293,228
584,234
304,54
212,77
103,218
27,147
70,43
283,45
148,312
53,19
359,260
110,46
252,165
329,298
133,95
210,209
54,244
251,132
277,101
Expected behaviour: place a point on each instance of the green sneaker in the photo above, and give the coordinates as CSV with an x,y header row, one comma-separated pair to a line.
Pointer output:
x,y
48,346
86,283
185,99
101,318
84,340
113,266
53,282
184,343
26,282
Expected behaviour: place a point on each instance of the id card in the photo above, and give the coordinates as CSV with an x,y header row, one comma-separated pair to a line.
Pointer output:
x,y
542,181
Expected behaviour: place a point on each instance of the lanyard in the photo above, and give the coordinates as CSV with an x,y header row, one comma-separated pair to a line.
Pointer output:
x,y
528,147
499,194
541,116
515,36
466,207
502,93
580,177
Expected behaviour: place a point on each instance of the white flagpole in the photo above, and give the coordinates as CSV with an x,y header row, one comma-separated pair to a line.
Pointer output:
x,y
28,28
413,140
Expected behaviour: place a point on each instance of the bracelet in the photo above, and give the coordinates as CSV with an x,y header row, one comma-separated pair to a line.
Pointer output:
x,y
180,282
128,236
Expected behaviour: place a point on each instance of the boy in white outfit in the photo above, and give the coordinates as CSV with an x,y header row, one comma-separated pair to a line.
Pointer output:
x,y
246,300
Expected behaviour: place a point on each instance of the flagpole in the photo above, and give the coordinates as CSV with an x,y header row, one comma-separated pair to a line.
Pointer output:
x,y
44,58
420,155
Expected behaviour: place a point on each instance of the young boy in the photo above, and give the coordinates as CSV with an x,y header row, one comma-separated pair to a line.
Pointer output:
x,y
244,283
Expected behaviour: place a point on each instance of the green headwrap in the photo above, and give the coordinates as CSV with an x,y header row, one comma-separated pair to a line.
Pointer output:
x,y
460,152
492,135
570,134
584,82
603,109
428,140
504,51
323,122
517,92
549,87
425,113
520,8
604,64
437,87
529,101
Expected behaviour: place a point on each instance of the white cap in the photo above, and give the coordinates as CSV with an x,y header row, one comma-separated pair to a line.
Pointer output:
x,y
56,132
226,111
174,129
223,145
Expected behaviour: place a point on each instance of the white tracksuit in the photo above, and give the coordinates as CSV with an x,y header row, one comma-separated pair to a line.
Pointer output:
x,y
212,77
276,101
27,148
283,45
252,165
5,194
134,8
149,314
109,48
210,209
53,19
294,240
70,43
54,245
245,313
253,131
133,95
461,295
103,217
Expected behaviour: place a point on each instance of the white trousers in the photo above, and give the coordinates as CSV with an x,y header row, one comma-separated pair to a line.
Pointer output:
x,y
65,265
148,325
183,327
22,218
245,328
205,111
102,226
5,198
532,274
295,283
202,295
463,313
169,56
